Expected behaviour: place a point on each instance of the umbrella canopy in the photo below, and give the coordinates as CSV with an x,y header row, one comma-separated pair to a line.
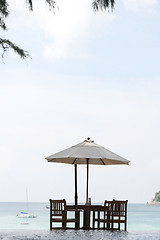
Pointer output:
x,y
87,152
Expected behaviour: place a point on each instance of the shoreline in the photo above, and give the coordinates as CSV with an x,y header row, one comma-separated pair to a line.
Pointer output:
x,y
153,203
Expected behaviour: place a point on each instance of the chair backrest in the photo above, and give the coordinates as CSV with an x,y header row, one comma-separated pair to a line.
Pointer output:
x,y
57,207
117,207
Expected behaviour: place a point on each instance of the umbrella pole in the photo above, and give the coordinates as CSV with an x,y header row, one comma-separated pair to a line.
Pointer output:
x,y
76,195
87,180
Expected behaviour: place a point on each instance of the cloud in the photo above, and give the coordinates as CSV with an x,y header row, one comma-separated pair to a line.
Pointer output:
x,y
66,32
69,27
144,7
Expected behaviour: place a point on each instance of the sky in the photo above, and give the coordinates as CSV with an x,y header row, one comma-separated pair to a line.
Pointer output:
x,y
91,75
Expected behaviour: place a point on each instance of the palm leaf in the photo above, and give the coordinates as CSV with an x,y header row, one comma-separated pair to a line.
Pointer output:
x,y
103,4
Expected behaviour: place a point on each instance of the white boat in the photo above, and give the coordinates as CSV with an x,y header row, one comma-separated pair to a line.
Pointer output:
x,y
26,215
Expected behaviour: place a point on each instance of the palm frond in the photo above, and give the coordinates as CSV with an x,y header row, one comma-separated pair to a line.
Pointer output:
x,y
3,13
30,4
51,4
103,4
4,8
2,24
7,44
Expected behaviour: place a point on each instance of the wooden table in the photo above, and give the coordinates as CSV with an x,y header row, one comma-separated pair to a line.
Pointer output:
x,y
87,209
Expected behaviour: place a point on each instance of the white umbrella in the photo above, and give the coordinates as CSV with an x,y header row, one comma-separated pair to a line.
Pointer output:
x,y
87,152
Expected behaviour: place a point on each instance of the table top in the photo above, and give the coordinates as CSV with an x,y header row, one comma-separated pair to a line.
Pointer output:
x,y
88,207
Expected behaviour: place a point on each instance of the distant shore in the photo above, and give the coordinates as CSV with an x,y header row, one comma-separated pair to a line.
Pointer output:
x,y
153,203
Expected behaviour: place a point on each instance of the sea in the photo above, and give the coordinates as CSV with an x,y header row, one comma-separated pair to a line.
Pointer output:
x,y
143,223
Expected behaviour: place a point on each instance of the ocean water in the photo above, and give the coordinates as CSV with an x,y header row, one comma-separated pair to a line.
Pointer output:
x,y
143,223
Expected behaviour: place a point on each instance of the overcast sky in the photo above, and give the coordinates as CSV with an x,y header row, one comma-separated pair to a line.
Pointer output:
x,y
91,75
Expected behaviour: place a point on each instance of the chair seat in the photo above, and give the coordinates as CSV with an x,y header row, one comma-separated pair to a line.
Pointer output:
x,y
117,221
102,220
58,220
71,220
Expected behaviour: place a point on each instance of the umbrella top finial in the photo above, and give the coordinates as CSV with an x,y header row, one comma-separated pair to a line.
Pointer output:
x,y
89,140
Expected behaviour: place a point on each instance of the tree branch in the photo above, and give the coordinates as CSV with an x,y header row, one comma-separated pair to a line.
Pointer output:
x,y
4,8
103,4
4,12
51,3
7,44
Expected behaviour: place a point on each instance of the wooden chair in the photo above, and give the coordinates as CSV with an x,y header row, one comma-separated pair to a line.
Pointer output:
x,y
58,214
113,217
117,214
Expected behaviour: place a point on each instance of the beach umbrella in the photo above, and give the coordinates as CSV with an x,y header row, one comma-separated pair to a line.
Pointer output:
x,y
86,152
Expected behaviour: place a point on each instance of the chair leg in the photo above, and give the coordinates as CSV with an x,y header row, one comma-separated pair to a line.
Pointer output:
x,y
125,224
64,219
108,220
50,225
78,220
112,224
77,217
119,218
104,224
93,220
98,219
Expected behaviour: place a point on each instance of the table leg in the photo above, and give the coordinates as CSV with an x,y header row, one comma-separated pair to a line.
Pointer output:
x,y
86,220
77,216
